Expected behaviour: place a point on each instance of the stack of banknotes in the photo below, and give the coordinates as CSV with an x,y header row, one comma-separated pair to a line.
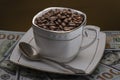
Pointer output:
x,y
108,68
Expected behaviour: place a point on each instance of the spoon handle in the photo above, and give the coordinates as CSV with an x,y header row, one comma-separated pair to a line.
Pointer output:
x,y
76,71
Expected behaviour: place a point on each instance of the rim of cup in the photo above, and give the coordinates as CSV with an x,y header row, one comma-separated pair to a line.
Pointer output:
x,y
53,8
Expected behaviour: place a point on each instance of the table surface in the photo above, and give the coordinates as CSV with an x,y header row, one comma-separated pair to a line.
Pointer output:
x,y
17,15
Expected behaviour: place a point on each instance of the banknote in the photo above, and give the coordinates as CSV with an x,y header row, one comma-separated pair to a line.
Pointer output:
x,y
54,76
111,58
103,72
108,68
8,40
7,70
30,74
112,40
6,76
4,47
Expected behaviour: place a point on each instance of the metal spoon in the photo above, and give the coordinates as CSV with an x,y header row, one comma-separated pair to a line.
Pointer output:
x,y
30,52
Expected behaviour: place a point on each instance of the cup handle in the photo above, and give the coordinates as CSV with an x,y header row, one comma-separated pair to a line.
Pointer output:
x,y
93,28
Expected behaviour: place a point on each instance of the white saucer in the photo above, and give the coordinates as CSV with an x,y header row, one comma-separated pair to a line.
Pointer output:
x,y
86,60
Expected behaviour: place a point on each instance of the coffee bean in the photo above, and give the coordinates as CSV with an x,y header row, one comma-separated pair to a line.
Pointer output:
x,y
46,16
68,28
63,24
59,20
53,18
61,27
66,20
56,22
59,15
69,18
51,13
72,23
65,11
52,27
45,27
38,20
63,17
69,12
57,11
51,24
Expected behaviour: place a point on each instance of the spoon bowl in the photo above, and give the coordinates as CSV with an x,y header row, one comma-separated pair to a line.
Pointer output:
x,y
31,53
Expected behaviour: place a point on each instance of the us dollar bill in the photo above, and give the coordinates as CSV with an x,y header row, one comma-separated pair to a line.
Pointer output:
x,y
112,40
8,40
31,74
103,72
111,58
108,69
54,76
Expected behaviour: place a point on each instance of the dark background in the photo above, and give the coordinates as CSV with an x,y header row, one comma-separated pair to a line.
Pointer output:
x,y
17,14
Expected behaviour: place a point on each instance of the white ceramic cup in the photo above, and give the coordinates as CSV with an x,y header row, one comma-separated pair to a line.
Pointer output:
x,y
62,46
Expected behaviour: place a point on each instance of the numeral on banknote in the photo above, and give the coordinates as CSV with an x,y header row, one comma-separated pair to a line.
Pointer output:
x,y
9,36
107,75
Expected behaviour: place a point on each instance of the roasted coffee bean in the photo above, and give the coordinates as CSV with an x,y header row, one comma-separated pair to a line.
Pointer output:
x,y
37,20
61,27
66,20
63,24
59,20
53,18
59,15
68,28
51,13
52,27
51,24
45,27
57,11
65,11
46,16
56,22
69,18
63,17
72,24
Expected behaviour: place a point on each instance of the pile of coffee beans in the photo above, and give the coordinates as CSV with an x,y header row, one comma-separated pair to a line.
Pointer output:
x,y
59,20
